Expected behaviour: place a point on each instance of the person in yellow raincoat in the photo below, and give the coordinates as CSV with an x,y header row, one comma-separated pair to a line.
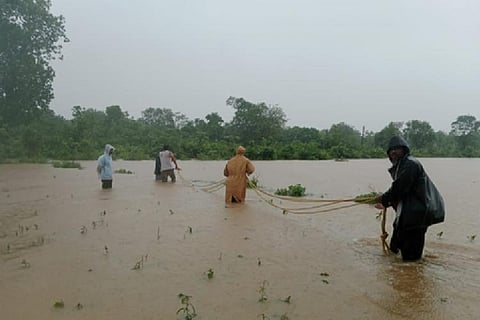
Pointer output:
x,y
236,171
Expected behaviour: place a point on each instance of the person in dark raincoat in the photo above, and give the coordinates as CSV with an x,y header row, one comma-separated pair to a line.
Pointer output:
x,y
407,195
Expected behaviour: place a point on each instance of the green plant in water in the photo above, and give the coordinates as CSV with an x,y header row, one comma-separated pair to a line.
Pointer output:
x,y
367,197
123,171
263,291
187,308
66,164
210,273
296,190
59,304
138,265
25,264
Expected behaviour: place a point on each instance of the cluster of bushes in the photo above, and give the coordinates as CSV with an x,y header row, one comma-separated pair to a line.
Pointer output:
x,y
295,190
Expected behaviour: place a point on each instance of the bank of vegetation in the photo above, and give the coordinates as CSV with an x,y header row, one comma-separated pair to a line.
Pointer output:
x,y
259,127
31,37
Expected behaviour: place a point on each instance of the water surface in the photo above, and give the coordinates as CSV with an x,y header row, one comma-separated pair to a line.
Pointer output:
x,y
63,238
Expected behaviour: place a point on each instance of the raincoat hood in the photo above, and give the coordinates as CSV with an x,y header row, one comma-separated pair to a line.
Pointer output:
x,y
241,150
108,147
397,141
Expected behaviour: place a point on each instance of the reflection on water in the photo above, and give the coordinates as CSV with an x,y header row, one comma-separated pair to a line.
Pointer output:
x,y
412,289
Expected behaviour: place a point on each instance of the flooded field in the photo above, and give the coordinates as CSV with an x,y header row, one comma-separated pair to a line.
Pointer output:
x,y
127,253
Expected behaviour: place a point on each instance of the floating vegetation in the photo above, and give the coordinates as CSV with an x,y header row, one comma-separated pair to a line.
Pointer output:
x,y
25,264
59,304
66,164
367,197
98,223
24,243
189,230
210,273
139,264
263,291
187,309
123,171
24,229
294,190
284,317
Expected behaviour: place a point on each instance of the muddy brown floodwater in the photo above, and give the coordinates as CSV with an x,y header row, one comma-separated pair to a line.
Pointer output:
x,y
128,252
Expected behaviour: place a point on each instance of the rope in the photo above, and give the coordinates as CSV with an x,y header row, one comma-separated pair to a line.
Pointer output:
x,y
208,186
327,205
384,235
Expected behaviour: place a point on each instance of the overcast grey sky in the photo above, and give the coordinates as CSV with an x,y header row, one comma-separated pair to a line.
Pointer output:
x,y
365,63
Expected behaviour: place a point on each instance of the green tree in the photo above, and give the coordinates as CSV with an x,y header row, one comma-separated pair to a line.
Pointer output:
x,y
214,126
30,38
382,137
343,134
419,134
465,125
115,114
88,130
255,122
466,132
299,134
162,117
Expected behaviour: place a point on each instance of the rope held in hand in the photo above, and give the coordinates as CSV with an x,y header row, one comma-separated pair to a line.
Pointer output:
x,y
384,235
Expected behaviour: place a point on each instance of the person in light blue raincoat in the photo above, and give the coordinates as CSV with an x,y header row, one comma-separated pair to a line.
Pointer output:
x,y
105,167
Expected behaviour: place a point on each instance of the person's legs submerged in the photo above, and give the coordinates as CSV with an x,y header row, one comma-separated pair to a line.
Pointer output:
x,y
106,184
394,241
413,242
172,176
164,176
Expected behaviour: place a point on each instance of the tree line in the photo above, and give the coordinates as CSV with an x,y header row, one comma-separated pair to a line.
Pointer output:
x,y
31,37
259,127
